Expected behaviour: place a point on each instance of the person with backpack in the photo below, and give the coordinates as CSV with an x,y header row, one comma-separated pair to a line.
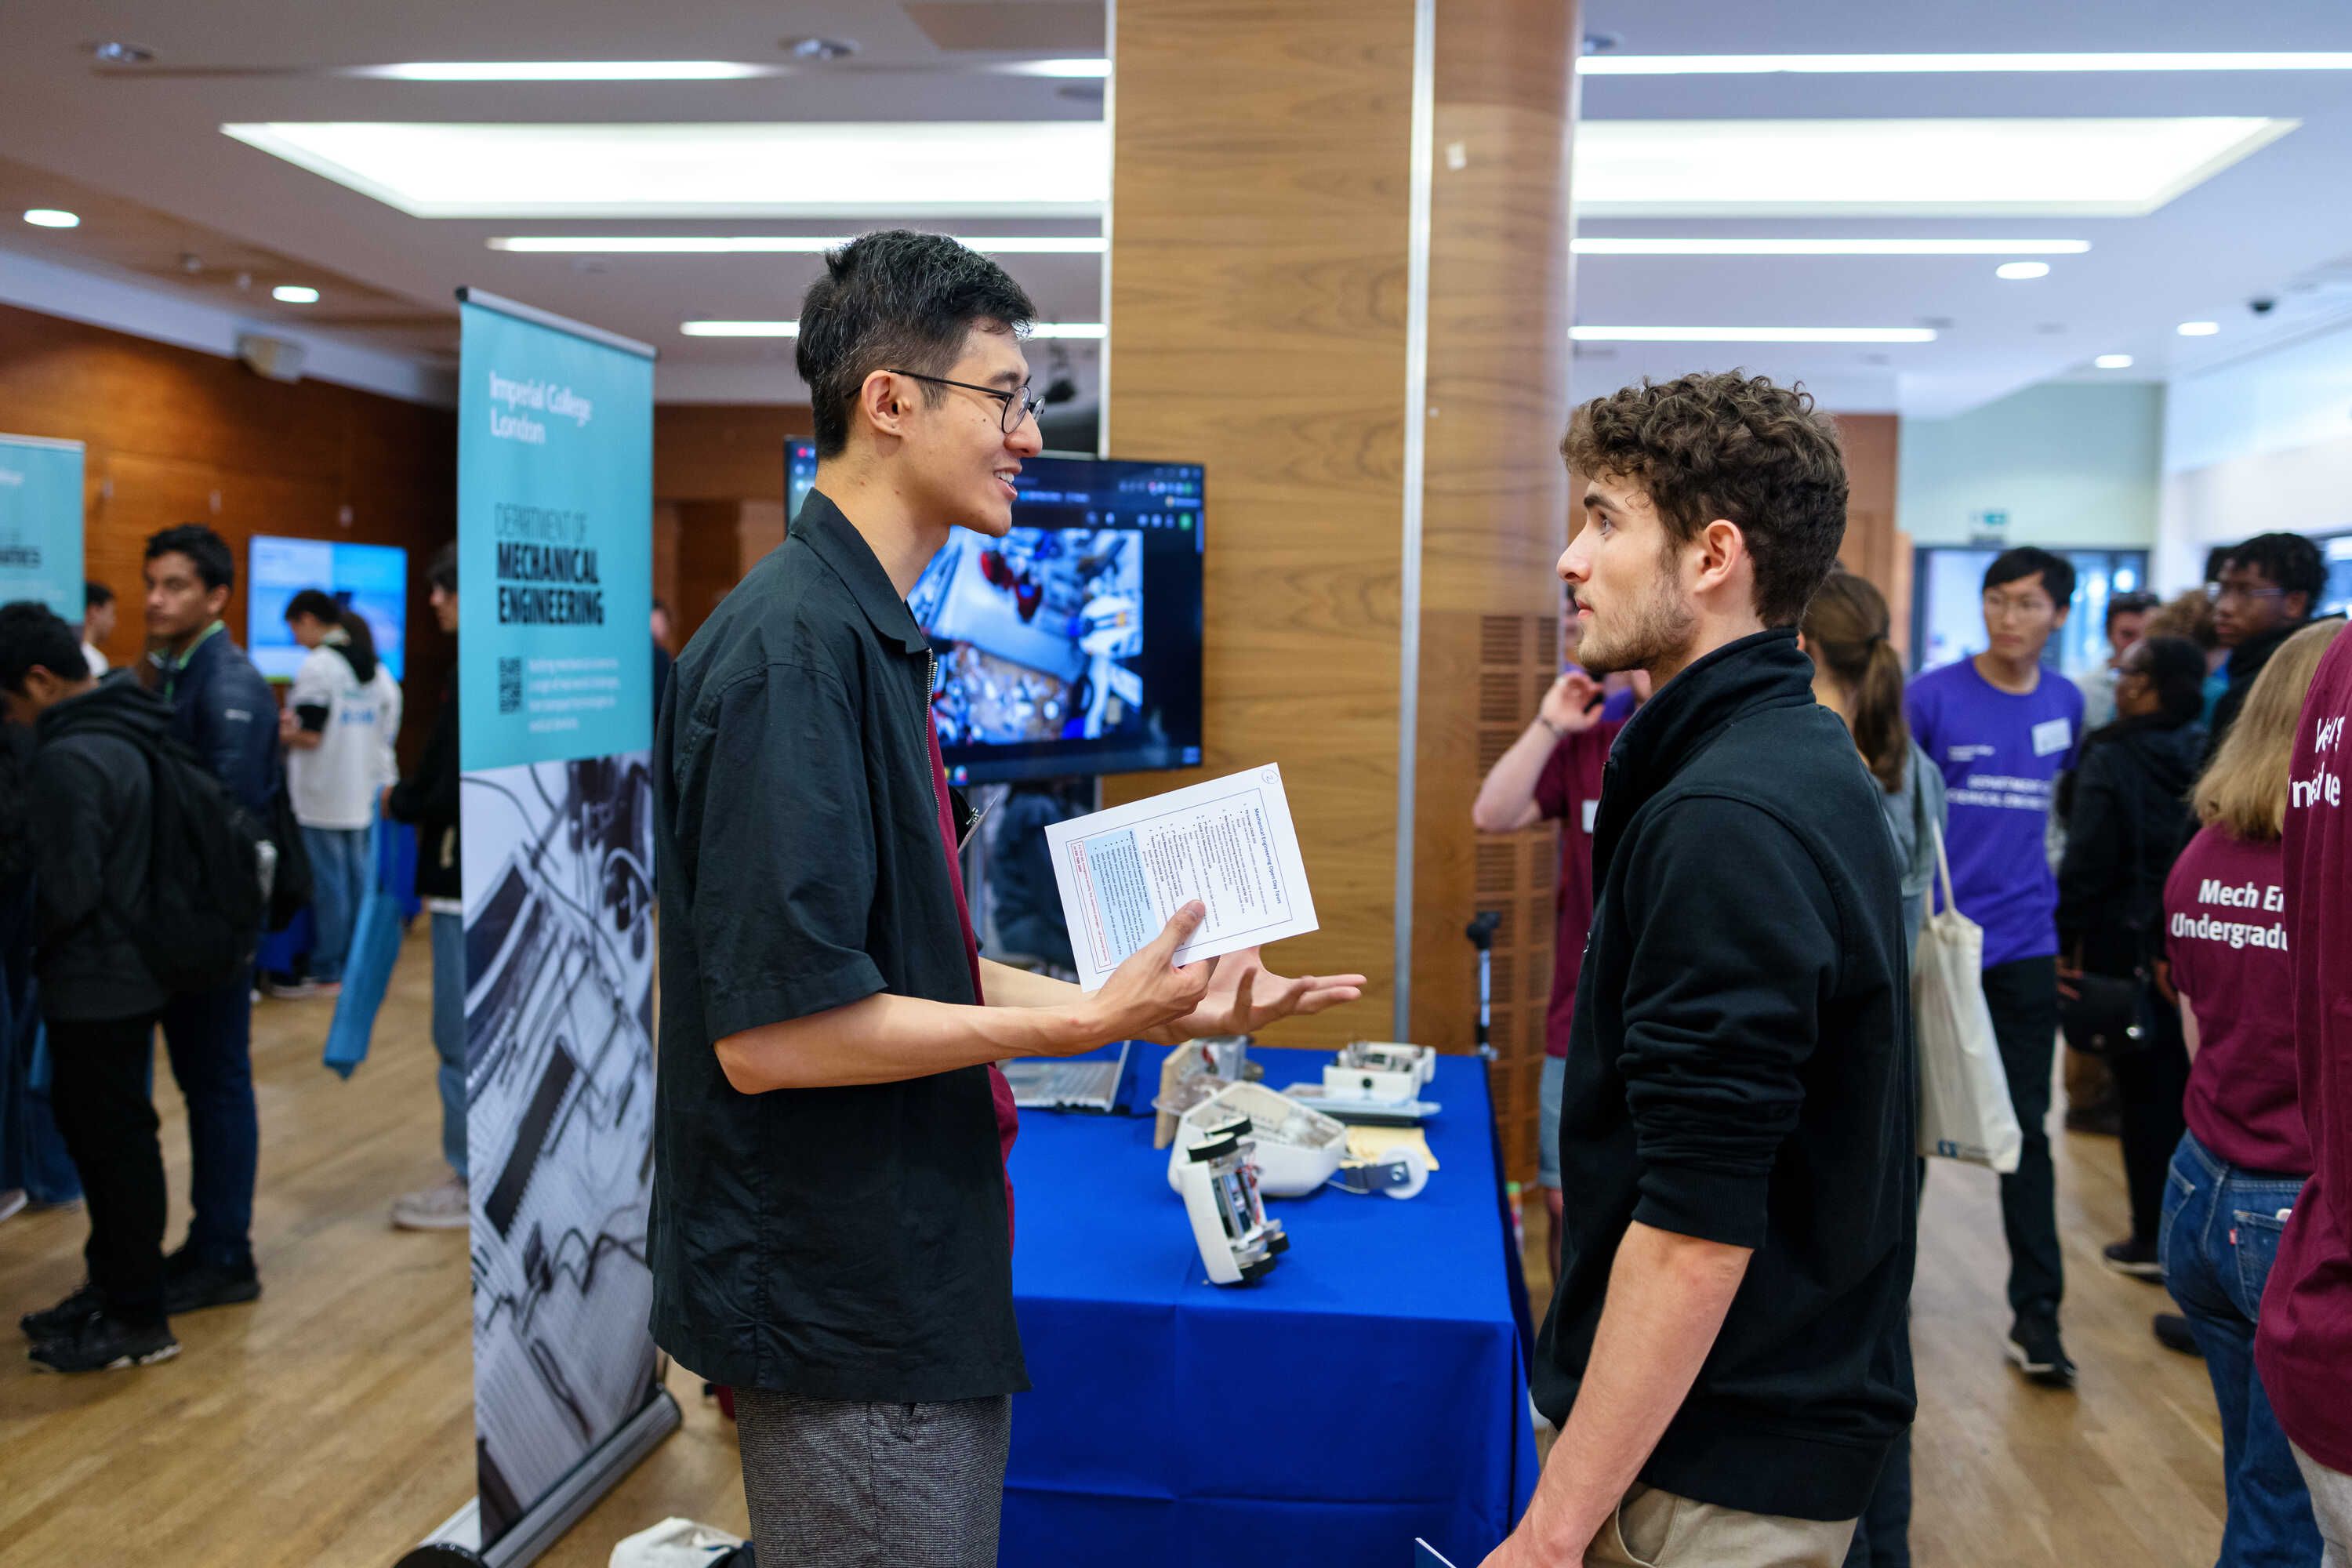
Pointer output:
x,y
89,804
337,727
224,710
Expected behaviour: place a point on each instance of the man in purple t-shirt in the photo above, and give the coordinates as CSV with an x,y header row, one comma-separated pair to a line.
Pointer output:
x,y
2003,728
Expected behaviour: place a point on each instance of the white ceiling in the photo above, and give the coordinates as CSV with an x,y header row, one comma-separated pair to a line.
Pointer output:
x,y
2267,226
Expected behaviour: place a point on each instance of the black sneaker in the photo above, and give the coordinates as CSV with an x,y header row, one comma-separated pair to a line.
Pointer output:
x,y
2034,1349
50,1322
191,1285
2172,1333
2138,1259
101,1343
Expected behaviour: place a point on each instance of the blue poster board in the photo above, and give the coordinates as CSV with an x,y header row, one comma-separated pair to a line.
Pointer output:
x,y
41,523
555,486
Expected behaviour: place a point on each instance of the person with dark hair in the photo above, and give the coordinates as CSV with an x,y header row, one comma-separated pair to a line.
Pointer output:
x,y
223,710
2124,806
338,727
1737,1126
97,622
2004,726
2268,589
2127,622
827,1023
90,809
427,799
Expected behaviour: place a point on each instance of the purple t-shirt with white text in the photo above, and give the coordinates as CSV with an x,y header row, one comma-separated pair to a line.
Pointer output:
x,y
2001,755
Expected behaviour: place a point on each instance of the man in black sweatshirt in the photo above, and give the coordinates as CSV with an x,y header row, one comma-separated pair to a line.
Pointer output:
x,y
1725,1355
2268,590
89,809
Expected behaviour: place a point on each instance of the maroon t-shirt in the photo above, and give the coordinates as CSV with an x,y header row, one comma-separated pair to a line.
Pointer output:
x,y
1008,1115
1568,792
2303,1344
2224,915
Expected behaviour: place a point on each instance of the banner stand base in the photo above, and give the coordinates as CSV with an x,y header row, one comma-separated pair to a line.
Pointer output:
x,y
458,1543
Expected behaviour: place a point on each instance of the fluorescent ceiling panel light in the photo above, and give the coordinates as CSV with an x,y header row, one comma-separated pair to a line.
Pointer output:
x,y
2198,329
565,70
2020,271
771,244
901,170
1752,334
295,294
792,330
1614,245
1925,168
2114,362
1078,70
52,218
1953,64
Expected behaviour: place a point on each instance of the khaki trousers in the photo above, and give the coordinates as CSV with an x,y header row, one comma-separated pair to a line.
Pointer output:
x,y
1652,1528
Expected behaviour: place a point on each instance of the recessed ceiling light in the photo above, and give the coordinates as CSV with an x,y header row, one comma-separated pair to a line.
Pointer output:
x,y
793,329
774,244
1836,168
1752,334
1616,245
1081,68
820,49
564,71
1840,65
52,218
295,294
2114,362
908,169
2020,271
2198,329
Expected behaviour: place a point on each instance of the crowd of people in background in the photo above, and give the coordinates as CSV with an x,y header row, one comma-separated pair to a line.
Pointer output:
x,y
2123,842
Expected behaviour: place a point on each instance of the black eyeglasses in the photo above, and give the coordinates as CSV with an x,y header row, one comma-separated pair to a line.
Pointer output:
x,y
1018,406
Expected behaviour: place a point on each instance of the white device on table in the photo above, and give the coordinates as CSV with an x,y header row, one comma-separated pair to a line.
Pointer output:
x,y
1299,1149
1053,1083
1375,1082
1218,1180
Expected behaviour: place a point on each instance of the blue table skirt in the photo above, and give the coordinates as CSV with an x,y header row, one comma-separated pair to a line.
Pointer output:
x,y
1373,1388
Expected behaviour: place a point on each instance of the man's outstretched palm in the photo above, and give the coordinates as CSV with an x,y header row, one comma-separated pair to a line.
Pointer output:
x,y
1245,996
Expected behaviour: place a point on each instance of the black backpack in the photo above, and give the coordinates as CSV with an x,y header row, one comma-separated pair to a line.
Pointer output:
x,y
201,921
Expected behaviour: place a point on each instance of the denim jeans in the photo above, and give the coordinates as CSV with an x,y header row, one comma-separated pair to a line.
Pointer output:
x,y
340,868
449,1033
209,1037
2219,1238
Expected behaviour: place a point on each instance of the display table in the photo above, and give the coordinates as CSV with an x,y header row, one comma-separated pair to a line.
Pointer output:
x,y
1371,1389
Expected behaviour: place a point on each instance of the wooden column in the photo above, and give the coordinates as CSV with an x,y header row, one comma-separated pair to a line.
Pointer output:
x,y
1264,320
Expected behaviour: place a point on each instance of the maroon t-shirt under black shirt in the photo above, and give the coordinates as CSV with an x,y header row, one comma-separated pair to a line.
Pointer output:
x,y
1568,792
1008,1115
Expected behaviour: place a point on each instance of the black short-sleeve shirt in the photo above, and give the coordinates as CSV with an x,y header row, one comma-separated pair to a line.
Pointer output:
x,y
847,1243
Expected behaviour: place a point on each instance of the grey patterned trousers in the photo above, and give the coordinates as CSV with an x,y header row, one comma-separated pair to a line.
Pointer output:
x,y
839,1484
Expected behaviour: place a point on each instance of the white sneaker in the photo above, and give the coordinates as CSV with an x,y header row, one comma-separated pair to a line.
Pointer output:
x,y
12,1202
445,1207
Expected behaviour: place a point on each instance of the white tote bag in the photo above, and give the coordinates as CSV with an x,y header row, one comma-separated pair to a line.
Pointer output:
x,y
1964,1107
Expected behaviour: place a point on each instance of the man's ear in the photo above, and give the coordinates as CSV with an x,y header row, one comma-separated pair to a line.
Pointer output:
x,y
883,402
1721,548
2302,603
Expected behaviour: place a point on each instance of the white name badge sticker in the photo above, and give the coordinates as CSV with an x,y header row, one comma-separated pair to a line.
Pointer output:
x,y
2053,735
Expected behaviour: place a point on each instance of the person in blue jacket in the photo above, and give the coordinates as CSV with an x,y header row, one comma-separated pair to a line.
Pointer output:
x,y
225,712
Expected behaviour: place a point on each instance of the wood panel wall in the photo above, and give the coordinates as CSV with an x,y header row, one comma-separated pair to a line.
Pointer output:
x,y
1258,266
174,435
719,488
1874,547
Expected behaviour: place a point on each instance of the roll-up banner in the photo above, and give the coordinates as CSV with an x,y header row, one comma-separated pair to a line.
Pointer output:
x,y
555,726
41,523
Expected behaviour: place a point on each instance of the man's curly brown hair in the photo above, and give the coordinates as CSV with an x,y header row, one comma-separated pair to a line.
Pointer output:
x,y
1731,446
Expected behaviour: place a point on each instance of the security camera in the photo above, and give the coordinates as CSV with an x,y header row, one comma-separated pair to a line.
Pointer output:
x,y
2262,304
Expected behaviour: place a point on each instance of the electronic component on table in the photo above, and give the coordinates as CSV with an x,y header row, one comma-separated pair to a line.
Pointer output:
x,y
1195,1070
1376,1082
1297,1148
1218,1180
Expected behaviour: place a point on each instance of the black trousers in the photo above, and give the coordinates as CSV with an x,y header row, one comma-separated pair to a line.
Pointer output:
x,y
2023,996
99,1076
2151,1086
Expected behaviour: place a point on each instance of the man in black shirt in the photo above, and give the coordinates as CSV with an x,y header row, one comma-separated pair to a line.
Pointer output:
x,y
832,1223
1726,1354
2268,590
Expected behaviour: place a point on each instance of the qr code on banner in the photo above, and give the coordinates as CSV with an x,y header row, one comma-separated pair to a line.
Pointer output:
x,y
510,686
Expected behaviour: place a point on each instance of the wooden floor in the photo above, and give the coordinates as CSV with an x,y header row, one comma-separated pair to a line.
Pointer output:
x,y
331,1423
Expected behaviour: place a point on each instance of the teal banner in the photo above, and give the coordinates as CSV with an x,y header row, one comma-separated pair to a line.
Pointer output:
x,y
41,523
555,484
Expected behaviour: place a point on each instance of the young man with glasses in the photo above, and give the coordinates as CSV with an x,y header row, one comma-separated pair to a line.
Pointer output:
x,y
2267,591
831,1221
2003,727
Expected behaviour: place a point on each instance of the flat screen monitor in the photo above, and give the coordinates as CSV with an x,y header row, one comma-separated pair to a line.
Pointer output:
x,y
799,473
371,578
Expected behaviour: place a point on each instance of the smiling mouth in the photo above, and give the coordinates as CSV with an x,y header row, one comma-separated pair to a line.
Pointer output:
x,y
1005,477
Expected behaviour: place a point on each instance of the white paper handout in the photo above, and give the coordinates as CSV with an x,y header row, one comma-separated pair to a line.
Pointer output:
x,y
1228,843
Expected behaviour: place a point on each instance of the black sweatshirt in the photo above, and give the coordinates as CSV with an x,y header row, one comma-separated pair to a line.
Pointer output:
x,y
1740,1071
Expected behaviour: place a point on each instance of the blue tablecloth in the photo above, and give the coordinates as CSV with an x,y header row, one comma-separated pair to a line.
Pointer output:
x,y
1373,1388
